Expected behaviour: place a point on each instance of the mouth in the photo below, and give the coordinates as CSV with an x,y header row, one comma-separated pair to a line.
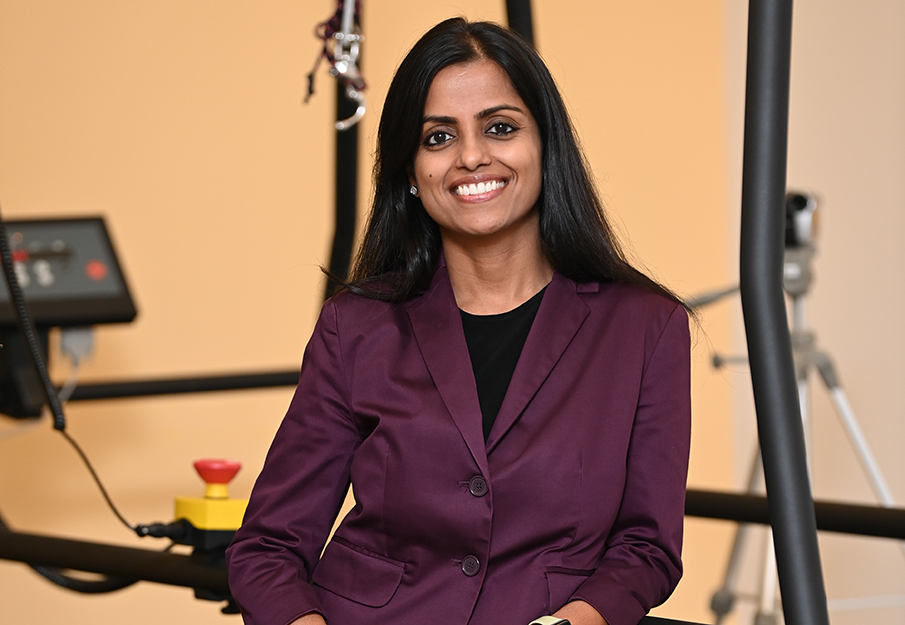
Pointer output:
x,y
477,188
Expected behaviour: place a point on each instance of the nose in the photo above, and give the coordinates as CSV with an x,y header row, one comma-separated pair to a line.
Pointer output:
x,y
473,151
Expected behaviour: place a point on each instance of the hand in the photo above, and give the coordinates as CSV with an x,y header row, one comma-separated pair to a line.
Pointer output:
x,y
580,613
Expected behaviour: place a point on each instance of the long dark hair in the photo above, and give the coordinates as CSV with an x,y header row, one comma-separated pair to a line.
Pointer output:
x,y
401,244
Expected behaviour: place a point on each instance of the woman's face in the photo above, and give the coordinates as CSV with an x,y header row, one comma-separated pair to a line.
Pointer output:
x,y
478,164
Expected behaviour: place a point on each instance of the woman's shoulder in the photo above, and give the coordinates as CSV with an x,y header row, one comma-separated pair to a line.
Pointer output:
x,y
346,302
611,292
634,310
351,311
630,304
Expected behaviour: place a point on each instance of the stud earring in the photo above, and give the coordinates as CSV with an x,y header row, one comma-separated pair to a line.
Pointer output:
x,y
413,190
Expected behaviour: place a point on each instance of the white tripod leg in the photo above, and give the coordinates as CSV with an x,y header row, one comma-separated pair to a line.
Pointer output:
x,y
766,614
855,433
723,600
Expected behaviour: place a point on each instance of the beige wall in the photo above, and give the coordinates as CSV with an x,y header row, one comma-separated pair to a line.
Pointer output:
x,y
182,123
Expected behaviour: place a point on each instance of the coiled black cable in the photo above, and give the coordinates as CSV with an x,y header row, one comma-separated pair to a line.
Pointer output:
x,y
28,330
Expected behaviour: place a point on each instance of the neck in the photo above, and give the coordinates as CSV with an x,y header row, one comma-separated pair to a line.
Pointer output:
x,y
491,279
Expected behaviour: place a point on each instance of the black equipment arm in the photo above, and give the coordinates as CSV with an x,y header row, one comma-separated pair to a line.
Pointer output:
x,y
830,516
769,344
193,384
345,193
518,15
115,561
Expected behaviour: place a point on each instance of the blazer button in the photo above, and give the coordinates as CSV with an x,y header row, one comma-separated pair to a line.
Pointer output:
x,y
478,486
471,566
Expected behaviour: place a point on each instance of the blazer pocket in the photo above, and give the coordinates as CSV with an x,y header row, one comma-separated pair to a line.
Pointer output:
x,y
357,574
562,582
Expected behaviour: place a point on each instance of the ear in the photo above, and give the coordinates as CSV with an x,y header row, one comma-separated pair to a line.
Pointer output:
x,y
412,180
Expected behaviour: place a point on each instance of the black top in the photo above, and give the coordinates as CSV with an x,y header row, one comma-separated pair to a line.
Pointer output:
x,y
495,343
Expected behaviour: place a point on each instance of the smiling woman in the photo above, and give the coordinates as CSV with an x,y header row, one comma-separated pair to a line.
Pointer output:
x,y
508,397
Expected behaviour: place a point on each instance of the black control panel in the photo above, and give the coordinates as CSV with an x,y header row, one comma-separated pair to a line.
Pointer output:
x,y
69,274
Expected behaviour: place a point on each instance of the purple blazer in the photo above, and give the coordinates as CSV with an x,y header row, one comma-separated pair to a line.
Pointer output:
x,y
578,492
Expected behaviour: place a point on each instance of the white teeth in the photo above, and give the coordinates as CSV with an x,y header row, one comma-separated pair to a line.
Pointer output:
x,y
481,187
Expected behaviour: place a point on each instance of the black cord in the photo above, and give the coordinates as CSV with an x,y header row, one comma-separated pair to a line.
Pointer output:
x,y
28,330
84,586
97,480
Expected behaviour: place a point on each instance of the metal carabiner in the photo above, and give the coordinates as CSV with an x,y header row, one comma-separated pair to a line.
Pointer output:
x,y
345,68
356,96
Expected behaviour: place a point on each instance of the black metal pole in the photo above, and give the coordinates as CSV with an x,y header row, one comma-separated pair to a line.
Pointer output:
x,y
346,191
175,386
830,516
125,562
769,344
518,15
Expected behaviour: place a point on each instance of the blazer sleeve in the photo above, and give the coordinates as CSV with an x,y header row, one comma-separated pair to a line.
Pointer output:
x,y
642,562
300,490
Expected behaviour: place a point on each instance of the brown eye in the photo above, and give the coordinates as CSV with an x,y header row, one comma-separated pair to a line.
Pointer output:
x,y
438,137
501,128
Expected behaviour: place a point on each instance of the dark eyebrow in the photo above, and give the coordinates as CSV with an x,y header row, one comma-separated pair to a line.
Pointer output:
x,y
440,119
498,108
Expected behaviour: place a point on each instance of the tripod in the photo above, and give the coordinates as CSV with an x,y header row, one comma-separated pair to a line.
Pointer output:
x,y
808,357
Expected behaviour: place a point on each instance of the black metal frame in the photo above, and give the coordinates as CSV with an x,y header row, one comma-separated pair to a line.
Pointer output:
x,y
113,561
763,303
830,516
345,193
518,15
789,506
175,386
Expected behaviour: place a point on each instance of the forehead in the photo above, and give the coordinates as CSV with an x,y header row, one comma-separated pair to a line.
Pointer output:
x,y
475,85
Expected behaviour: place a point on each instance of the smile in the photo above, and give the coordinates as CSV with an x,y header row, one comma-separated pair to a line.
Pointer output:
x,y
480,187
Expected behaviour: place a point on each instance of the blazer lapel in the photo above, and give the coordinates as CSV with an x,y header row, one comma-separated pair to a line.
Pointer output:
x,y
437,324
559,317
